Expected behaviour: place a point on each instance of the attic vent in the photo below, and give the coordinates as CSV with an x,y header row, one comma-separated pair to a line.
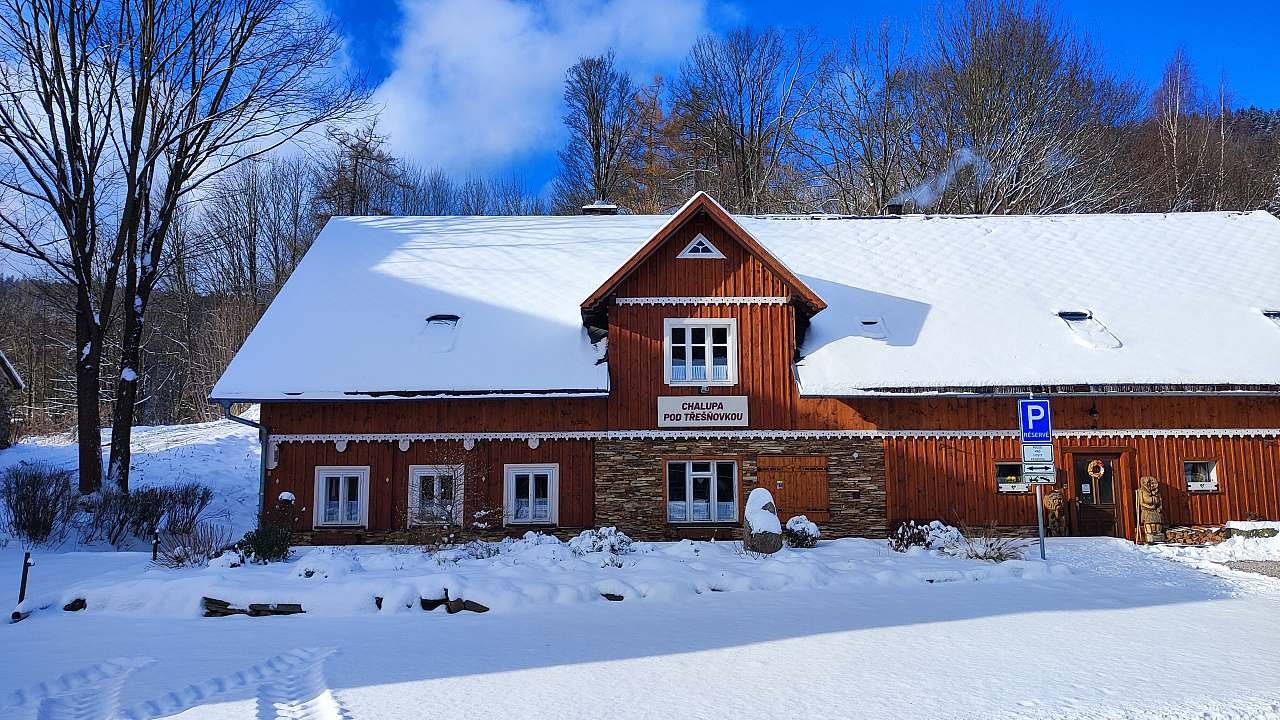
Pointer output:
x,y
440,332
873,327
700,248
1088,330
1272,315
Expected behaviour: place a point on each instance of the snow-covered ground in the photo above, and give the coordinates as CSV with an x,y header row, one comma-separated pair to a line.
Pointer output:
x,y
222,454
845,630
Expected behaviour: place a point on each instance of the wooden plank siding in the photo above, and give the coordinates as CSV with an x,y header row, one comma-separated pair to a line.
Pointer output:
x,y
636,368
739,274
953,479
436,415
389,473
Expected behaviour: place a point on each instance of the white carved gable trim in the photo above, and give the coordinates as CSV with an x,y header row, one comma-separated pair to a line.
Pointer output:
x,y
700,248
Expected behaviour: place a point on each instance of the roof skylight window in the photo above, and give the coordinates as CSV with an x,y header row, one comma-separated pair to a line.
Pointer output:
x,y
1088,330
872,327
700,248
440,332
1273,316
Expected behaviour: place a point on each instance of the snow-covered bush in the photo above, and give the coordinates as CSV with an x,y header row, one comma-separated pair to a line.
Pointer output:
x,y
984,543
196,548
800,532
186,503
38,504
147,507
936,534
606,539
108,513
907,535
267,544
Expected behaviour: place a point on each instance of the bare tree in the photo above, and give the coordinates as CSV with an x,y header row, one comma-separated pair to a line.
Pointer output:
x,y
210,85
601,117
1178,109
59,83
742,97
1021,111
859,138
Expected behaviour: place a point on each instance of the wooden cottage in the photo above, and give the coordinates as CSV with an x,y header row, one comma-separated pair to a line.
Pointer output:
x,y
647,372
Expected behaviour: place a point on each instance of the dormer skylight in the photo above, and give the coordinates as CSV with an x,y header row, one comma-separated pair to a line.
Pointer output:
x,y
440,331
1273,316
872,327
1088,330
700,248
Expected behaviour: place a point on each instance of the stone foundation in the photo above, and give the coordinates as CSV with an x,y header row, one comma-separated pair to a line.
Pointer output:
x,y
629,482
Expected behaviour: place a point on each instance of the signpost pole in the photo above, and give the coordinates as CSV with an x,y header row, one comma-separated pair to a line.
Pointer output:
x,y
1040,519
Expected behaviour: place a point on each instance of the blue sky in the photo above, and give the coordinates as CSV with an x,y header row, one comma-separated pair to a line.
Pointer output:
x,y
474,85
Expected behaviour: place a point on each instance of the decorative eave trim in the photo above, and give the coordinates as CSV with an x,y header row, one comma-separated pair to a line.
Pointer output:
x,y
736,300
758,434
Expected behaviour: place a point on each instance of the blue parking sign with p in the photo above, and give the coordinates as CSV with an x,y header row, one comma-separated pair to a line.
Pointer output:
x,y
1033,419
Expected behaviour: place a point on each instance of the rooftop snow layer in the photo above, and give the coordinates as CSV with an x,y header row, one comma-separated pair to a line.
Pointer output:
x,y
916,302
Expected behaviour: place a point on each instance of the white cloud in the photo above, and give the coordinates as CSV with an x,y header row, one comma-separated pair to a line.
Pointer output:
x,y
477,84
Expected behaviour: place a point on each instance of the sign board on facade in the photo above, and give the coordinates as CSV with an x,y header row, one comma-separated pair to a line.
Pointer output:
x,y
702,411
1014,487
1034,421
1037,454
1040,478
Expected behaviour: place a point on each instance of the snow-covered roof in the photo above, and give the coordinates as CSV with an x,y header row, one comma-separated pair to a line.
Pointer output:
x,y
915,302
10,373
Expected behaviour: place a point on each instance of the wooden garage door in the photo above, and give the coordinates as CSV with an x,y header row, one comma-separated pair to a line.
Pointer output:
x,y
798,484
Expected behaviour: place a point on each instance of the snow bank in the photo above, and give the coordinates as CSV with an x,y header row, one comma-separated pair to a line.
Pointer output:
x,y
1231,549
512,575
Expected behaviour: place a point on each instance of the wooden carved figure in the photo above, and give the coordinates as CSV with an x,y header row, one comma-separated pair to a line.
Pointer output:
x,y
1150,511
1055,506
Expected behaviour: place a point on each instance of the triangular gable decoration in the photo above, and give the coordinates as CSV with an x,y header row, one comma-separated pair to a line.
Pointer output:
x,y
700,248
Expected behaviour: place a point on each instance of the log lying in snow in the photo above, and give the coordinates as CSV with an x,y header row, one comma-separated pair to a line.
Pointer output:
x,y
452,606
214,607
75,605
612,597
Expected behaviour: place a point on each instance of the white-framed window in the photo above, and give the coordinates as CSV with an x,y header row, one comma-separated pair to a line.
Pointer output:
x,y
701,351
700,248
1201,475
435,493
532,494
342,496
702,491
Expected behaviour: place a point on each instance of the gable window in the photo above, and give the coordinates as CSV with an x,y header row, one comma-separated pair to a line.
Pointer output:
x,y
532,494
701,351
700,248
435,494
702,491
342,496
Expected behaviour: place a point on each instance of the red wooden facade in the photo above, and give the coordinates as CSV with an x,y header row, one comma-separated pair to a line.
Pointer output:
x,y
939,452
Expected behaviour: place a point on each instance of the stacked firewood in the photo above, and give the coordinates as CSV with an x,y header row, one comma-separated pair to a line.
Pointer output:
x,y
1197,534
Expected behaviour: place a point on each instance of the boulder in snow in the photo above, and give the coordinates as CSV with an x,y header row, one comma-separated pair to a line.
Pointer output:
x,y
761,531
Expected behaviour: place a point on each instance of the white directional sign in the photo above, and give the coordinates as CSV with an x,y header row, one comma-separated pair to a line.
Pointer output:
x,y
1037,454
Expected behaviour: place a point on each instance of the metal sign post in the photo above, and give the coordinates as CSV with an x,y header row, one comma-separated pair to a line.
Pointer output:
x,y
1036,426
1040,519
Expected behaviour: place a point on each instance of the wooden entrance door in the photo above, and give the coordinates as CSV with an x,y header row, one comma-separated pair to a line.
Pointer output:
x,y
1096,485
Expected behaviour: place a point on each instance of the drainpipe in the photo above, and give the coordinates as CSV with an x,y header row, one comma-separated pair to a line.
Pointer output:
x,y
262,455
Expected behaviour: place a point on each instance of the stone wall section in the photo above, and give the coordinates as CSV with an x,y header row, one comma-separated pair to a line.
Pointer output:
x,y
629,478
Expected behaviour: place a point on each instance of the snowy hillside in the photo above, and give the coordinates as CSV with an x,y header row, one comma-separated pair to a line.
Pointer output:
x,y
223,455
